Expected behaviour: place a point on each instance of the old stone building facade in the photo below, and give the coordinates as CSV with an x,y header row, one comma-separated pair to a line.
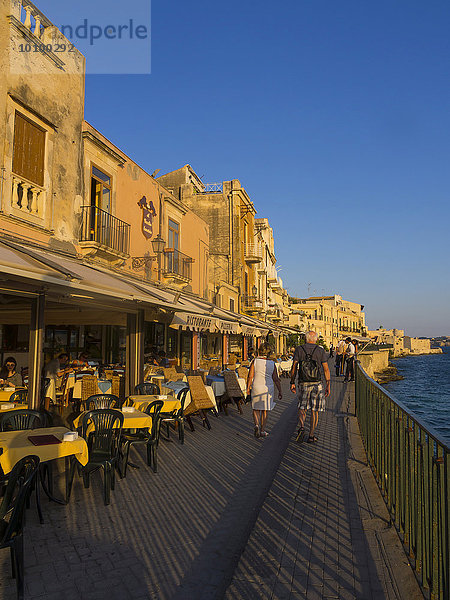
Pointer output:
x,y
332,317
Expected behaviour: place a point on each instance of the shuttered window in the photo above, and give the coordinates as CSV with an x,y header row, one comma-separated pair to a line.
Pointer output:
x,y
29,149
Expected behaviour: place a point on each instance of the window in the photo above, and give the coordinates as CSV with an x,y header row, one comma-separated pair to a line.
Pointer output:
x,y
29,149
232,304
100,189
174,232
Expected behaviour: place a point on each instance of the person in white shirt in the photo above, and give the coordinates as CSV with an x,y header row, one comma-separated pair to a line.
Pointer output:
x,y
350,352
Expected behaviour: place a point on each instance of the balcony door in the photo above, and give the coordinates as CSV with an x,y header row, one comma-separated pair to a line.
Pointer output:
x,y
100,227
173,242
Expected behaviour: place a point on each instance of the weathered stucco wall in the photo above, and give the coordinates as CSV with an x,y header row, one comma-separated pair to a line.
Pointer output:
x,y
48,89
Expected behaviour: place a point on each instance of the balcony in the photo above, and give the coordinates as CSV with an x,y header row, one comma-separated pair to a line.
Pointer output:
x,y
252,253
277,285
272,276
103,234
252,304
27,200
177,266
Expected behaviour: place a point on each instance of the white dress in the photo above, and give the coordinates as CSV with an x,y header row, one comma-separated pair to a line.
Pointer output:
x,y
262,387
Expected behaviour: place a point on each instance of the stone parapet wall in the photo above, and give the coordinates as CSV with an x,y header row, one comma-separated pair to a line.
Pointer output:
x,y
374,362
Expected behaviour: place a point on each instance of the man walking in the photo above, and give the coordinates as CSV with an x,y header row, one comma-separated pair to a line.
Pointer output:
x,y
350,352
310,360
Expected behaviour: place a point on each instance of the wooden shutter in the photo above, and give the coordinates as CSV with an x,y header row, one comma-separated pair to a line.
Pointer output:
x,y
29,148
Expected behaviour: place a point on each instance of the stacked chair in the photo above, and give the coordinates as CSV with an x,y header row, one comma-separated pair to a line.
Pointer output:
x,y
234,392
200,401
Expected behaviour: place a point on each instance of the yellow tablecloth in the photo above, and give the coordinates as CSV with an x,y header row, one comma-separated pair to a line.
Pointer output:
x,y
15,445
16,407
133,420
141,403
5,396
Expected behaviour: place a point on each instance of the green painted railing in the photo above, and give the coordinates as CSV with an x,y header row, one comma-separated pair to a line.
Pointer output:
x,y
412,466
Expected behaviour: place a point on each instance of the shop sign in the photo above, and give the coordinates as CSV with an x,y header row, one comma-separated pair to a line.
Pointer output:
x,y
228,327
199,322
248,330
148,212
193,321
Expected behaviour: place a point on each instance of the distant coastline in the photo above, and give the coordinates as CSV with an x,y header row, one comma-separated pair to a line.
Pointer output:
x,y
419,353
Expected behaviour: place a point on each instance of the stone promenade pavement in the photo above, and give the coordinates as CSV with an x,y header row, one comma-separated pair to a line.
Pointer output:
x,y
226,516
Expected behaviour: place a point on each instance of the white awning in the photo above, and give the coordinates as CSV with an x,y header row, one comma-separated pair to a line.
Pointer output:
x,y
193,322
250,331
228,327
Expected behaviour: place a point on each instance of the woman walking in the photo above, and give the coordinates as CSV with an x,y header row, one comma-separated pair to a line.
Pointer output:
x,y
262,377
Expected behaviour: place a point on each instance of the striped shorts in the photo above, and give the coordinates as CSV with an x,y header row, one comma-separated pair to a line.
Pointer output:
x,y
311,395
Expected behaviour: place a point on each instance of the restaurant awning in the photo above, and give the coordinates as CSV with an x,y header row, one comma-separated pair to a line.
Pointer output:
x,y
194,322
250,331
231,327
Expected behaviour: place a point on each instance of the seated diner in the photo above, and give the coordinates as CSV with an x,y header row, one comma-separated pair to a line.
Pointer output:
x,y
8,374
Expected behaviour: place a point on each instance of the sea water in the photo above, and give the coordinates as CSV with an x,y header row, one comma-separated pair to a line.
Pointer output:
x,y
425,389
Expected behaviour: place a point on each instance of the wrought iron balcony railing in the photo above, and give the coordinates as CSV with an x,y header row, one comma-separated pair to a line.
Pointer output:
x,y
105,229
252,302
177,264
253,253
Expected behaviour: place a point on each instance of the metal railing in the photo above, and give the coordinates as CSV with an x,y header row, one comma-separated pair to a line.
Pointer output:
x,y
177,263
213,188
105,229
252,302
253,252
411,465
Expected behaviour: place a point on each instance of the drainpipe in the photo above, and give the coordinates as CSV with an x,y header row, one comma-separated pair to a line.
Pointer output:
x,y
1,188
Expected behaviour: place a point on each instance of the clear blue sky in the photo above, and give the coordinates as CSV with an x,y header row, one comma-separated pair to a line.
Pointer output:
x,y
335,118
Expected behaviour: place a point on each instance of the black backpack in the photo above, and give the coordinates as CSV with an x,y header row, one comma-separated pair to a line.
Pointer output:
x,y
308,368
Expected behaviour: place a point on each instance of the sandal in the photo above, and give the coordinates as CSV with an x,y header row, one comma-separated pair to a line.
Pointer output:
x,y
256,432
312,439
263,434
300,434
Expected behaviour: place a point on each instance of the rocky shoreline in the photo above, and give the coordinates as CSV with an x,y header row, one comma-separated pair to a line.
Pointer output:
x,y
387,375
391,372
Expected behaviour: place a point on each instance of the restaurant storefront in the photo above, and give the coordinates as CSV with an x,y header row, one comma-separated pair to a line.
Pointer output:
x,y
53,303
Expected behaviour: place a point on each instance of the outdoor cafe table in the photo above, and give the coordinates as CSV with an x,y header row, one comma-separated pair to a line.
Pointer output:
x,y
15,445
175,386
5,396
132,420
103,387
141,402
156,379
217,382
178,386
15,407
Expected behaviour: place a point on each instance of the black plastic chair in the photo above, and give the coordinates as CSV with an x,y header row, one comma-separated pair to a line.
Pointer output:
x,y
15,420
19,396
146,389
148,436
99,401
17,492
103,446
176,417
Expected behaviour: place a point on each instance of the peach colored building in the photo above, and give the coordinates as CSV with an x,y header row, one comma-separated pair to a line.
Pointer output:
x,y
139,209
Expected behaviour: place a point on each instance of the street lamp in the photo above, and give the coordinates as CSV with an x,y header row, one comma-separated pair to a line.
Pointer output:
x,y
158,245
